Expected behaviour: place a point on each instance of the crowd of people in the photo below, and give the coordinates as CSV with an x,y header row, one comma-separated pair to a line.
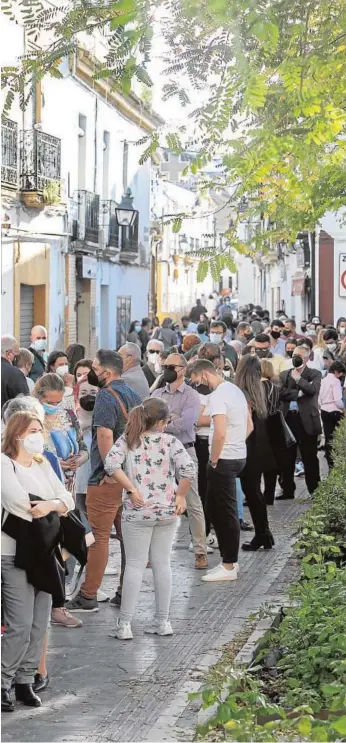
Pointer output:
x,y
192,418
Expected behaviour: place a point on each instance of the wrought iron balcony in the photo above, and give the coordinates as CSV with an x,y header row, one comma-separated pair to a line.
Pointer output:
x,y
40,160
110,225
9,153
129,248
88,217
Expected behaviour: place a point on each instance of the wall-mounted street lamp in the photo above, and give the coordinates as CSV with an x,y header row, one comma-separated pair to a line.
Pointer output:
x,y
126,214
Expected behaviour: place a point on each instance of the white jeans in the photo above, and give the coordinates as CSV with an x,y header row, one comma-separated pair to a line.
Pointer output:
x,y
145,540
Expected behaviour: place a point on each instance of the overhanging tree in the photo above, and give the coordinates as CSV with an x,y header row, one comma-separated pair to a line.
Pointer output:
x,y
276,74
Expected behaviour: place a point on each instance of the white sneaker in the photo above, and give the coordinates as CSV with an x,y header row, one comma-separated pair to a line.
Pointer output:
x,y
122,631
110,571
212,541
221,574
216,567
210,551
159,628
102,596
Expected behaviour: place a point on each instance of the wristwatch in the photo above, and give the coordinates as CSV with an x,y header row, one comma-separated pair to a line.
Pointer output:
x,y
212,464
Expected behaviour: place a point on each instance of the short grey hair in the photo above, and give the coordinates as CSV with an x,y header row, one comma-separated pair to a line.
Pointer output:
x,y
22,404
25,357
158,343
8,343
48,383
133,350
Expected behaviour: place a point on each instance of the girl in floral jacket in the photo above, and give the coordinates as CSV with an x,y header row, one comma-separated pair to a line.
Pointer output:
x,y
152,461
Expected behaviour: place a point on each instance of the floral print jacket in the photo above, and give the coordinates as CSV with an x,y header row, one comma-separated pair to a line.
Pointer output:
x,y
153,468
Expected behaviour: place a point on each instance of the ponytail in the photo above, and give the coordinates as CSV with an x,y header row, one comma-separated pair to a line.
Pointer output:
x,y
143,418
136,425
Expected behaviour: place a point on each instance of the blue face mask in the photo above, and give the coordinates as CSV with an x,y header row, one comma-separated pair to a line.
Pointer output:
x,y
138,328
51,409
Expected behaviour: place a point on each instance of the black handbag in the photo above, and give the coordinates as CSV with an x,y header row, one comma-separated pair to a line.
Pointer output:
x,y
73,536
279,432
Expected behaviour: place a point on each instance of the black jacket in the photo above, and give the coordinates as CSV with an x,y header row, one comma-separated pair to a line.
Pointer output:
x,y
230,354
149,375
196,311
309,384
13,382
38,548
38,367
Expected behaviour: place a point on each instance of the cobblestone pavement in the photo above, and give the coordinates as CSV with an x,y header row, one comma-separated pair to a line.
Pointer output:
x,y
102,689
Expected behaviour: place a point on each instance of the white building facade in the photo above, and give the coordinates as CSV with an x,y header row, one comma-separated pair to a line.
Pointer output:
x,y
303,280
66,163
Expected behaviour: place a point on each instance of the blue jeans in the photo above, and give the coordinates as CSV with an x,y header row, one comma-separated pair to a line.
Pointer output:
x,y
240,499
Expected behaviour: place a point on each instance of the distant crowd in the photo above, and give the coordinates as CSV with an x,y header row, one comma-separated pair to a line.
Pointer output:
x,y
197,418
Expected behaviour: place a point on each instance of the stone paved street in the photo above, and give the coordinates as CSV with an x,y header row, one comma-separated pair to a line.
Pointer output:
x,y
105,690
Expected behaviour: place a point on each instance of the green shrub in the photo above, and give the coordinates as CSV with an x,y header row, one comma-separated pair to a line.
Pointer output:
x,y
309,683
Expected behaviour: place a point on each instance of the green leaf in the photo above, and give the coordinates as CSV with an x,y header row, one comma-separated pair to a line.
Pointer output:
x,y
177,224
304,726
202,271
340,725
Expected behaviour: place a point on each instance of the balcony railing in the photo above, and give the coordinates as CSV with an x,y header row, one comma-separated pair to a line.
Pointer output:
x,y
9,153
88,216
129,248
110,225
40,160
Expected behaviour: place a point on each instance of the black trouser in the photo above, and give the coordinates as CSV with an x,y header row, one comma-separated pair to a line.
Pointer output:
x,y
269,477
202,453
221,506
330,421
250,480
308,450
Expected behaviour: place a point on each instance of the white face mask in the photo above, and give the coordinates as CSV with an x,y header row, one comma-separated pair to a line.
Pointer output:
x,y
40,344
215,338
62,370
33,443
331,347
342,330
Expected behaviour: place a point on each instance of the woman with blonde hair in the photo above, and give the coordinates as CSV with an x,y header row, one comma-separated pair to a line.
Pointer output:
x,y
25,474
318,349
146,462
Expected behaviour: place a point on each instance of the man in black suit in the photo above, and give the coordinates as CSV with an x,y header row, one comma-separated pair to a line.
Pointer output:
x,y
299,389
13,381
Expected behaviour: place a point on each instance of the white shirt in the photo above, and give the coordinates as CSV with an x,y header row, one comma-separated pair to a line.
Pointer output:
x,y
230,401
204,400
16,484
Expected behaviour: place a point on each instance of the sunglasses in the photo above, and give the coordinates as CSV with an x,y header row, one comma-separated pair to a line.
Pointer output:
x,y
172,367
151,350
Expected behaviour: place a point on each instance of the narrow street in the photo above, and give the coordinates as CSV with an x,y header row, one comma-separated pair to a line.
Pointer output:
x,y
106,690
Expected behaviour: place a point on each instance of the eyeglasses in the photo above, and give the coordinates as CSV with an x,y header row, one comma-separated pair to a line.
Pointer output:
x,y
172,367
152,350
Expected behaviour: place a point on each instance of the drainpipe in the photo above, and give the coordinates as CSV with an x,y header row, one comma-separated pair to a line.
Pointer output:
x,y
313,273
95,143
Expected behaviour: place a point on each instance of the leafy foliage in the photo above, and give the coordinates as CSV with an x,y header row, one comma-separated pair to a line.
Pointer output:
x,y
306,697
276,76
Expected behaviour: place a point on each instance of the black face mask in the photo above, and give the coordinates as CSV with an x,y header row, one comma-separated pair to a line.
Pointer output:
x,y
202,389
94,380
297,361
170,375
287,332
87,403
248,336
289,353
263,353
275,334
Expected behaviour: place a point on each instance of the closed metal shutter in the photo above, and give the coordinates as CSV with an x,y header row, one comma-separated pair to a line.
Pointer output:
x,y
26,313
